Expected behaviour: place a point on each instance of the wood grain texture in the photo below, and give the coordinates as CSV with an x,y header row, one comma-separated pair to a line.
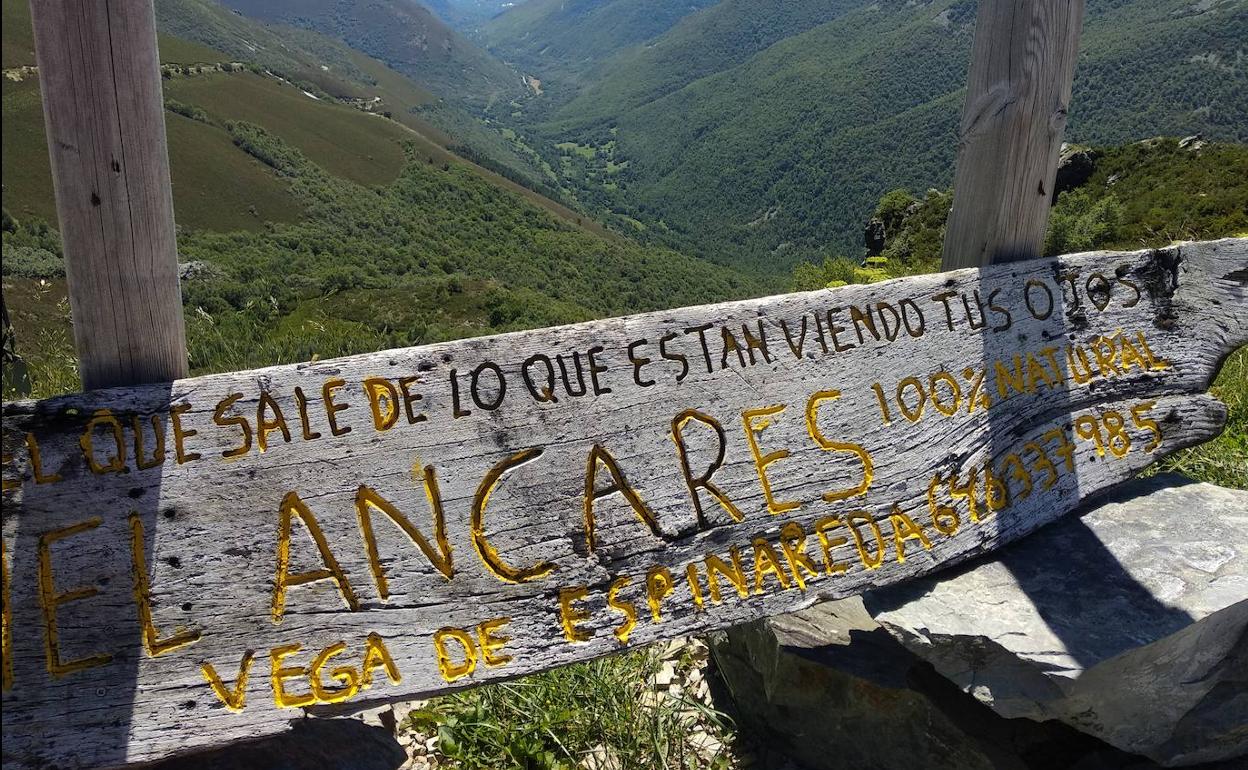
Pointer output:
x,y
1017,97
1043,383
99,76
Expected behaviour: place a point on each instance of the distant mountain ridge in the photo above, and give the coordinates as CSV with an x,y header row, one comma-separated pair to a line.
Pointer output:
x,y
466,15
568,37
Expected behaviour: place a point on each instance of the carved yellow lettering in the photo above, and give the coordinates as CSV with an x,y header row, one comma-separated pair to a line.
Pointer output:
x,y
600,456
383,400
1080,376
6,635
1104,349
281,674
447,666
793,543
269,418
703,481
234,699
1010,379
756,421
346,676
117,461
222,417
181,434
732,570
624,607
869,560
695,586
143,598
50,600
1129,356
864,457
658,586
492,642
36,463
905,528
367,498
158,434
826,544
293,506
1036,373
570,616
485,550
332,409
377,656
766,562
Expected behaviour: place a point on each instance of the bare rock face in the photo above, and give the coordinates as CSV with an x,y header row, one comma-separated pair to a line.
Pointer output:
x,y
828,688
1129,623
1075,166
874,236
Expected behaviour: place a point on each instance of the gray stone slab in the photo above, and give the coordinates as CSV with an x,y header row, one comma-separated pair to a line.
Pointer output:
x,y
1128,622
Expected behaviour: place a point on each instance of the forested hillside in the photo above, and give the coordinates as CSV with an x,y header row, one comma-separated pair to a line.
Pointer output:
x,y
760,133
310,226
467,14
705,43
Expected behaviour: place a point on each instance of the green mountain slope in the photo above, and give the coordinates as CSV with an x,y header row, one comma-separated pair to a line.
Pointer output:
x,y
407,37
563,38
324,64
779,155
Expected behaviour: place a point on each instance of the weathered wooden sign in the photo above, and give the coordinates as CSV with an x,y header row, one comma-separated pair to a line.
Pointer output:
x,y
200,562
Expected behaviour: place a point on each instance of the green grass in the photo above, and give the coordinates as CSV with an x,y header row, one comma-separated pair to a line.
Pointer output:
x,y
19,41
346,142
175,50
554,720
588,153
27,174
216,186
16,35
1224,460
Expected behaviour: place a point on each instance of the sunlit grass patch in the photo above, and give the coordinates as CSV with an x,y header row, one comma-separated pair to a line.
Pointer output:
x,y
1224,460
599,714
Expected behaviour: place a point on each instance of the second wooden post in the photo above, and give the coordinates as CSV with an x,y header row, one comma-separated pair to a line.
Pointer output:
x,y
1017,97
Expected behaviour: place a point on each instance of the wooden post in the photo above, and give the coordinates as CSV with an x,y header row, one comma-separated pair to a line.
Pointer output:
x,y
99,73
1018,92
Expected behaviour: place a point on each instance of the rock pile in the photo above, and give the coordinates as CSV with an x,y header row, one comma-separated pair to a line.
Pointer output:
x,y
1120,634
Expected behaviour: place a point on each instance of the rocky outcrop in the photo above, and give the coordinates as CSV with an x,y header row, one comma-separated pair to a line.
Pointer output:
x,y
1075,165
1129,623
874,237
828,688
